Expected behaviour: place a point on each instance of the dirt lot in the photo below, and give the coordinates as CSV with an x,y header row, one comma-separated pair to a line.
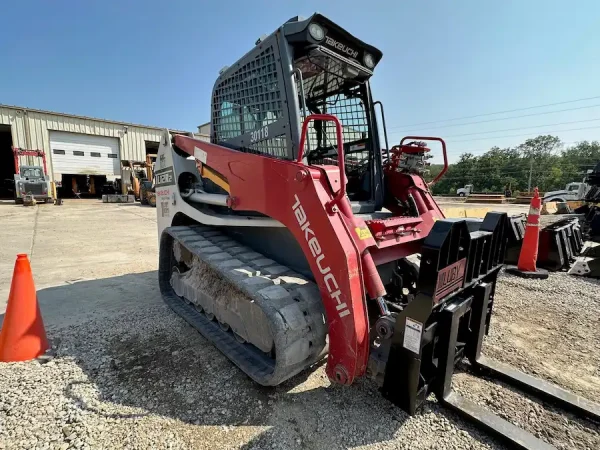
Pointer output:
x,y
130,374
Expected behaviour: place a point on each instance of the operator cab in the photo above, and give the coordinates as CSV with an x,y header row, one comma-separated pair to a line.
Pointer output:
x,y
308,66
31,173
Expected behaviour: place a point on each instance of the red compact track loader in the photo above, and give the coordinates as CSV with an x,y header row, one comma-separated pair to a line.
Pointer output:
x,y
295,235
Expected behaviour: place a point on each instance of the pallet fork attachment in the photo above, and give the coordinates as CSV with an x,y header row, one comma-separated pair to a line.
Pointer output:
x,y
453,329
518,437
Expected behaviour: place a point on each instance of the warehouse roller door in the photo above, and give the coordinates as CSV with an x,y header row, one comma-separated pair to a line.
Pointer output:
x,y
83,154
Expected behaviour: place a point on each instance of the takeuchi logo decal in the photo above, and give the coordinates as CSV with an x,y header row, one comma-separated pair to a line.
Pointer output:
x,y
341,47
317,253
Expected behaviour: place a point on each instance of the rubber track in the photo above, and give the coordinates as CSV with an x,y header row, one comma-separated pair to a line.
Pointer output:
x,y
291,303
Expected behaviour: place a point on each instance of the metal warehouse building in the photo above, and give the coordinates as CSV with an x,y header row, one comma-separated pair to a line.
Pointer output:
x,y
75,146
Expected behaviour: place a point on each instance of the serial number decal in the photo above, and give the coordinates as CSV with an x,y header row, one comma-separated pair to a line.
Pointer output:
x,y
449,279
163,193
413,331
164,208
164,177
261,133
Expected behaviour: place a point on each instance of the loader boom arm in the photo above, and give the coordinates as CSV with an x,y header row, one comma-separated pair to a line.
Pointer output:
x,y
296,195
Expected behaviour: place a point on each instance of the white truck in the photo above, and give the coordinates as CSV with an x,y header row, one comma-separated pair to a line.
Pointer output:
x,y
465,191
572,192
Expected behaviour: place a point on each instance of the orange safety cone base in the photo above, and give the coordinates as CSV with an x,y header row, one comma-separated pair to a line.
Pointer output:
x,y
526,265
22,336
540,274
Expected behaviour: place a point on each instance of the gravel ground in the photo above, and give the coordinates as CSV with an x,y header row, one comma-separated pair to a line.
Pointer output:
x,y
549,329
144,379
147,380
546,326
130,374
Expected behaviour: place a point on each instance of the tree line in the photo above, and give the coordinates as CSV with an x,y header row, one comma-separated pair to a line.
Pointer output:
x,y
552,165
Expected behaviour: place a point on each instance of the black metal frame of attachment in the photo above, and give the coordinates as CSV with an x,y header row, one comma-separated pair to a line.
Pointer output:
x,y
453,329
560,243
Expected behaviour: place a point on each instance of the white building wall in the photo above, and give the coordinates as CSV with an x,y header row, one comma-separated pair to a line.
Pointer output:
x,y
30,130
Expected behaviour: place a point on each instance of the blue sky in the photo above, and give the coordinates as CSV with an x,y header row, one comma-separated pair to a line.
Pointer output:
x,y
155,62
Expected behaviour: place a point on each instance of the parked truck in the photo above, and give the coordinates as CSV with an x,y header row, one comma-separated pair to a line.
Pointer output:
x,y
572,192
465,191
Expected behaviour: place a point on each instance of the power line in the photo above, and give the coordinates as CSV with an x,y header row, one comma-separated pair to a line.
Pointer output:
x,y
496,120
512,162
499,112
467,177
523,128
542,165
526,134
477,151
476,170
483,150
519,170
521,161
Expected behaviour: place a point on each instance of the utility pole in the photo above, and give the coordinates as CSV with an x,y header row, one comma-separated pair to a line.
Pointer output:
x,y
530,172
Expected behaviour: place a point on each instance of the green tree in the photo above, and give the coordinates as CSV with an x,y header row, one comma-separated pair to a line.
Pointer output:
x,y
552,166
540,154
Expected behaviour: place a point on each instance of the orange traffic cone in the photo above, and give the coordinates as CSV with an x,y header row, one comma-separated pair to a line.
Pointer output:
x,y
526,266
22,336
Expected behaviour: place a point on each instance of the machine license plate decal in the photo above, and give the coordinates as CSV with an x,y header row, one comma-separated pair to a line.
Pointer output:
x,y
449,279
164,177
412,335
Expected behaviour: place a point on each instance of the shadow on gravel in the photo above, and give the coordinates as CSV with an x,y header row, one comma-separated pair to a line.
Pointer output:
x,y
140,359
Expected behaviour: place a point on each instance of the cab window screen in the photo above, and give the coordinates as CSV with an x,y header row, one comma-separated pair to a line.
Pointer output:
x,y
247,101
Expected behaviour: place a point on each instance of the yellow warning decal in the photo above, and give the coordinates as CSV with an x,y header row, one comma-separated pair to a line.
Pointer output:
x,y
363,233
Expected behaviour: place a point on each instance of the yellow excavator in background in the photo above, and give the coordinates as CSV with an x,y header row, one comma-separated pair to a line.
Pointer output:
x,y
137,179
150,162
133,173
147,191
